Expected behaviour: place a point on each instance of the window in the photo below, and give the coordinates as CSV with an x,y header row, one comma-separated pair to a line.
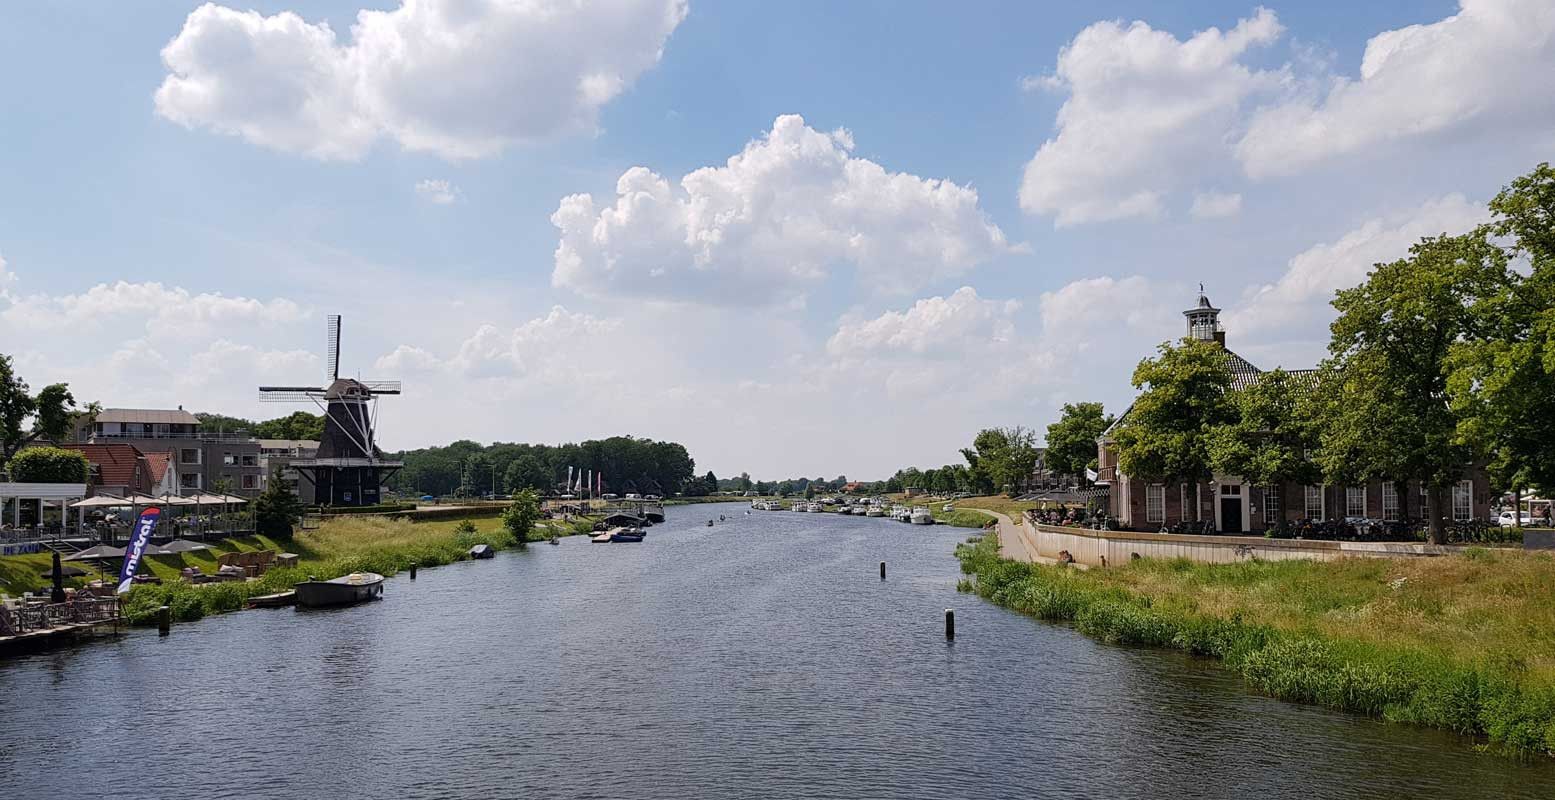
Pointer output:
x,y
189,455
189,480
1155,503
1389,501
1462,501
250,481
228,460
1314,507
1271,505
250,460
1355,501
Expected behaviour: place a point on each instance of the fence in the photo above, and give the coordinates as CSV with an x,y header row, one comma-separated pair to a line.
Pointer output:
x,y
1099,548
27,617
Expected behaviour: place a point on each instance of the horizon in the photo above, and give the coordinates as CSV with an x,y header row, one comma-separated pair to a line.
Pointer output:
x,y
813,239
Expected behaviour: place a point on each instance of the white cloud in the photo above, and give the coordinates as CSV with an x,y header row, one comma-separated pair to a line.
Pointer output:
x,y
1147,113
1093,311
1486,68
560,347
1213,205
459,79
950,326
406,359
439,192
161,309
1298,303
777,218
6,279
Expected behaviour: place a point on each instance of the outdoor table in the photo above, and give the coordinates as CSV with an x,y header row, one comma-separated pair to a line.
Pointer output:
x,y
286,559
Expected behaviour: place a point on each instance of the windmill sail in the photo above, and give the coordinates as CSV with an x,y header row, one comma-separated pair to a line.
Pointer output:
x,y
333,336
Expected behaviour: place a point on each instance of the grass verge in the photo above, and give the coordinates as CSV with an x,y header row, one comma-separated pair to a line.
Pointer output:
x,y
1461,643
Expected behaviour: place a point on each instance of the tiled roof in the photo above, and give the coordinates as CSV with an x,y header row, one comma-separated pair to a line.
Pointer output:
x,y
158,464
175,416
117,464
1243,374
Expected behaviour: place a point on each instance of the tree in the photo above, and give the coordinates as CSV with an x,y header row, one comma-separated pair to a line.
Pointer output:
x,y
1273,431
1003,457
1384,386
296,425
276,508
49,465
526,472
520,516
1071,441
743,483
221,423
1184,395
1502,381
52,412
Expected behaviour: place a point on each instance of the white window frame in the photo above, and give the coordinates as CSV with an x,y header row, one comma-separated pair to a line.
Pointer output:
x,y
199,480
1155,492
1272,507
1390,501
1349,501
250,482
1465,490
1322,502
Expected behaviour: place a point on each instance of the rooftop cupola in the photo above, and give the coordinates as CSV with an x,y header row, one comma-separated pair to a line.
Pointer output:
x,y
1204,321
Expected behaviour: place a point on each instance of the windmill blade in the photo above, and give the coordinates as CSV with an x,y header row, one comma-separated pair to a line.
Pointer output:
x,y
383,387
288,394
334,347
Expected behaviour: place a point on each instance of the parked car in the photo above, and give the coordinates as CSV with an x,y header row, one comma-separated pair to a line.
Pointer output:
x,y
1508,519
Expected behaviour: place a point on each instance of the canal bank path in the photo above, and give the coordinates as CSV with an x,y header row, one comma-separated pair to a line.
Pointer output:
x,y
1014,544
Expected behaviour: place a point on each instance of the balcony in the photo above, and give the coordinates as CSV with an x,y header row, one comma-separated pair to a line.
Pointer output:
x,y
1106,476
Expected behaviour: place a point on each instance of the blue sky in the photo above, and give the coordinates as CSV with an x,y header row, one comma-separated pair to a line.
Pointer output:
x,y
823,328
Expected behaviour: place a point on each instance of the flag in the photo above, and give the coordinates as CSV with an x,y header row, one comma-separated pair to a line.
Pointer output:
x,y
142,537
569,479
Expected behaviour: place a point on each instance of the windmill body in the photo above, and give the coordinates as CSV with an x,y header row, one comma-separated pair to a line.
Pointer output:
x,y
349,468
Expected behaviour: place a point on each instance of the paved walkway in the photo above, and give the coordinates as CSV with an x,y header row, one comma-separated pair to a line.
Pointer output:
x,y
1018,542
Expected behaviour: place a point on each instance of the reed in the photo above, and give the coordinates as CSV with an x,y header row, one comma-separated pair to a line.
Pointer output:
x,y
1460,643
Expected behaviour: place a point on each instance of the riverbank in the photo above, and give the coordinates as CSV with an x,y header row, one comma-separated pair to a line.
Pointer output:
x,y
1461,643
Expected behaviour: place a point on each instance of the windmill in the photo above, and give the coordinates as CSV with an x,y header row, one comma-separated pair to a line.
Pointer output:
x,y
348,468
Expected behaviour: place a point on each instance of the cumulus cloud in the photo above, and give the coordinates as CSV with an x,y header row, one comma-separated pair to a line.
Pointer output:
x,y
1298,303
941,326
439,192
1082,313
1213,205
775,219
1486,67
1147,114
6,279
161,308
459,79
560,347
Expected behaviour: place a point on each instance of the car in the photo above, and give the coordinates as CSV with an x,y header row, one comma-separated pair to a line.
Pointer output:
x,y
1508,519
426,498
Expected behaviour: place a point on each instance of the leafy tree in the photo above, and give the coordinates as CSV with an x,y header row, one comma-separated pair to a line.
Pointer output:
x,y
296,425
711,481
1071,441
1273,431
221,423
52,412
276,508
1502,382
1386,411
526,471
1003,457
49,465
519,518
743,483
1184,395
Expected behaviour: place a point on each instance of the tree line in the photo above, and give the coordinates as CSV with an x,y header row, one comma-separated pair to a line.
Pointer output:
x,y
1442,360
627,464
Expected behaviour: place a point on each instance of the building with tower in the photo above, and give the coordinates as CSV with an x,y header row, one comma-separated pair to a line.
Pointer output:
x,y
1233,505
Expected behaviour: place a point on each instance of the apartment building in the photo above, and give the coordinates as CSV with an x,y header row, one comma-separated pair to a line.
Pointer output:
x,y
202,461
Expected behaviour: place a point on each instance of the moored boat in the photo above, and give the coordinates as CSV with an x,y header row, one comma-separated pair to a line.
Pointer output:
x,y
482,551
921,516
627,535
276,600
342,591
602,538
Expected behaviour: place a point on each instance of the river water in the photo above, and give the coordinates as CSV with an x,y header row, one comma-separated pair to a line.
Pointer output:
x,y
761,657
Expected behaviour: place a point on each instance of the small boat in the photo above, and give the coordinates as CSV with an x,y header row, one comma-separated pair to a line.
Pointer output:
x,y
554,540
874,511
709,523
627,535
798,507
273,600
921,516
342,591
603,538
482,551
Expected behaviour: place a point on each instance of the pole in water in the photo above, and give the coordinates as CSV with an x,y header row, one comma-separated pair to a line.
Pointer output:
x,y
882,570
950,624
164,621
412,570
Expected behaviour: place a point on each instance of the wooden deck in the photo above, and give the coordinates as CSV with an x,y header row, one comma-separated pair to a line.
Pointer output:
x,y
45,624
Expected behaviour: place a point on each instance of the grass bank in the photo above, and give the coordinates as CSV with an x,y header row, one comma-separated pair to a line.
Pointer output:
x,y
1464,643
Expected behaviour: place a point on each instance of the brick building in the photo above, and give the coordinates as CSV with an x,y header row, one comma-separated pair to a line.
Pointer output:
x,y
1237,506
200,459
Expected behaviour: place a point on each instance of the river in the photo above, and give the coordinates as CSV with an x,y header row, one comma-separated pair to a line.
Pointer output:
x,y
761,657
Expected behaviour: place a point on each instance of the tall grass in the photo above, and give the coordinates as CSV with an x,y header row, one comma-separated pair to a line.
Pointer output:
x,y
338,547
1457,643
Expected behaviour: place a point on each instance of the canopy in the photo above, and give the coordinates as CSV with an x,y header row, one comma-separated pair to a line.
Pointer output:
x,y
102,501
215,499
94,553
66,571
175,500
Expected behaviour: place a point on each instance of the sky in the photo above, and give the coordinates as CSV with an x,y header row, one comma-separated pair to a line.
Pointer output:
x,y
802,238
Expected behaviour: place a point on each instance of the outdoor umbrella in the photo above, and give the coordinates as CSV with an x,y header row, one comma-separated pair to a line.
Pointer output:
x,y
98,553
182,546
68,571
102,501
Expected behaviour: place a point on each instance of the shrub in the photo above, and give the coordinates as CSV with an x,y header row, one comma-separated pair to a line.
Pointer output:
x,y
49,465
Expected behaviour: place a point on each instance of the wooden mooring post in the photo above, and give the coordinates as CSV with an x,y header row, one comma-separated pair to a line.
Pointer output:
x,y
950,624
882,570
164,621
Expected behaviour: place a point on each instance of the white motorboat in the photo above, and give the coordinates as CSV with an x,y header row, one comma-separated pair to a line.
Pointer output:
x,y
921,516
874,511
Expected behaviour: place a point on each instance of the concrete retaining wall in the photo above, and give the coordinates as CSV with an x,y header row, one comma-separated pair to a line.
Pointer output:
x,y
1118,547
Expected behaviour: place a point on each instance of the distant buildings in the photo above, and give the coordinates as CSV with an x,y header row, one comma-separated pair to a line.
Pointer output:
x,y
275,462
200,460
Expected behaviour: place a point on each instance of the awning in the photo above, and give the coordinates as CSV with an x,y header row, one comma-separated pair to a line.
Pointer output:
x,y
102,501
96,553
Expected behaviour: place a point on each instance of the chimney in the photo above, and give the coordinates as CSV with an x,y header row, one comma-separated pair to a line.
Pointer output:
x,y
1220,338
